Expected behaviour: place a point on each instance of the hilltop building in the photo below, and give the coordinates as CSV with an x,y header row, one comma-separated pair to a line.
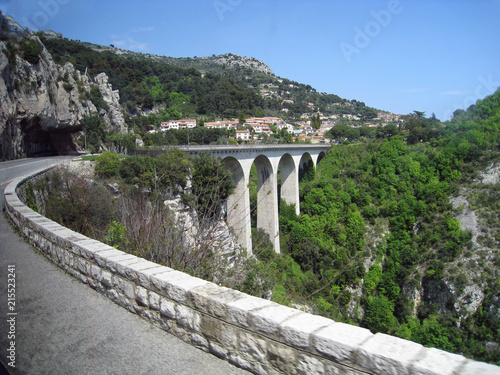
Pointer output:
x,y
178,124
222,125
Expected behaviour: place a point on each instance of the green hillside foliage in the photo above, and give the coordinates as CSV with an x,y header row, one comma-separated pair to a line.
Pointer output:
x,y
145,83
195,136
376,218
132,216
177,88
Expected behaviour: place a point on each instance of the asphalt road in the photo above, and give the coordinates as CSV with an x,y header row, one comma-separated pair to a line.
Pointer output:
x,y
64,327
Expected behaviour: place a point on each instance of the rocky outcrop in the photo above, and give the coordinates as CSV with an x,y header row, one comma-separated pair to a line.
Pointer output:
x,y
114,117
41,102
232,61
491,175
448,298
215,233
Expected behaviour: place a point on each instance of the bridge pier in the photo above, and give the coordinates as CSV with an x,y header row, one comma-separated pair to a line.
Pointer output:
x,y
238,203
267,198
290,180
289,159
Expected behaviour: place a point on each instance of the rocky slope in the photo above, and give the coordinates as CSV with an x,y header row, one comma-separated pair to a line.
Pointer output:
x,y
42,104
205,64
466,284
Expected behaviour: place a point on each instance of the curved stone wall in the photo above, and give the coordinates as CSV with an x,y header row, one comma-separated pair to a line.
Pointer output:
x,y
255,334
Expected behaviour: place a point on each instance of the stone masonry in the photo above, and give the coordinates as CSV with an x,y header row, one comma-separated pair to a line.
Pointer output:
x,y
252,333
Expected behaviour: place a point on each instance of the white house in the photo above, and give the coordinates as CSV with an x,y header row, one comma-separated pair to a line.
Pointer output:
x,y
168,125
244,135
222,124
178,124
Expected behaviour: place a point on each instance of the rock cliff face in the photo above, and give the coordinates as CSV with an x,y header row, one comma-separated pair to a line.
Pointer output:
x,y
232,61
216,233
114,117
42,103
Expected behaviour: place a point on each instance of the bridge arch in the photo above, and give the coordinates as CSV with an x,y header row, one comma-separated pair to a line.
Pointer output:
x,y
307,163
321,155
289,159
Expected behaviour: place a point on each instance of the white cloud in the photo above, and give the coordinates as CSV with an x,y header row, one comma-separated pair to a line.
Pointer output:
x,y
421,89
456,92
144,29
129,44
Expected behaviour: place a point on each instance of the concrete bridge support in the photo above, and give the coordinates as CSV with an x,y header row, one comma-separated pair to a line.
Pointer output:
x,y
269,161
290,180
238,212
267,198
238,203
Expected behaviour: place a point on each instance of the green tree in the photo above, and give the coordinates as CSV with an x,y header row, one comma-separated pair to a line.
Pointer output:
x,y
212,184
94,130
107,164
169,171
373,278
379,315
433,334
31,51
316,122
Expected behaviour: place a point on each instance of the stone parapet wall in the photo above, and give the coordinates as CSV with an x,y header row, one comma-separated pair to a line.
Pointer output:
x,y
252,333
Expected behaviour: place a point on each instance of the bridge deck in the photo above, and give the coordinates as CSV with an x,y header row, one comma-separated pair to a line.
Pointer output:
x,y
194,149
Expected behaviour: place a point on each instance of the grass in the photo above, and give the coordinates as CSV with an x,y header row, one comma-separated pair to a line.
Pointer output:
x,y
89,157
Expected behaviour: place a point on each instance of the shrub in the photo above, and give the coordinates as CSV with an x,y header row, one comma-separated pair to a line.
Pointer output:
x,y
97,100
30,196
78,205
11,52
107,165
117,235
132,169
379,315
68,87
31,52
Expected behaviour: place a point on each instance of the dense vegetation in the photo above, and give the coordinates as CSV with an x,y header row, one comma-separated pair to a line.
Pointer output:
x,y
132,215
376,223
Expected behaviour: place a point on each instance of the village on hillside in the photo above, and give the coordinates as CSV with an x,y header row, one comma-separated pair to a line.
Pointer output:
x,y
255,129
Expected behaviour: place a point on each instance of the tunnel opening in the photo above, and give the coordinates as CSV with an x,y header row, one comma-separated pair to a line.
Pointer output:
x,y
37,141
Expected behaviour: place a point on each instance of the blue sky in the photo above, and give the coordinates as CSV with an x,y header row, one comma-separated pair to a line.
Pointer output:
x,y
397,55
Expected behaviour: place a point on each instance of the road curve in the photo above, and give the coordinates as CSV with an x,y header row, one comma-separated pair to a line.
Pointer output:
x,y
64,327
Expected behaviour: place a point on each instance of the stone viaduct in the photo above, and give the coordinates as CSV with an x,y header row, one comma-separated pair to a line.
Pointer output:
x,y
287,159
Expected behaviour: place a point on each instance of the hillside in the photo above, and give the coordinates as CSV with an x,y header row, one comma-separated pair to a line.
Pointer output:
x,y
276,96
402,235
